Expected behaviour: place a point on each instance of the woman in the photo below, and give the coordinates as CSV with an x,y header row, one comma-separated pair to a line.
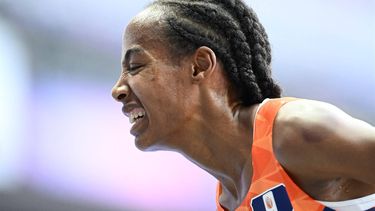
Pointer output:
x,y
196,79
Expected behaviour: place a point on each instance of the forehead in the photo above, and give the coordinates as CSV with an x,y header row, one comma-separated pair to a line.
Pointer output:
x,y
145,30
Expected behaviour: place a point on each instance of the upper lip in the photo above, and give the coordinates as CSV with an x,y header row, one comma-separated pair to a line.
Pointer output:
x,y
128,107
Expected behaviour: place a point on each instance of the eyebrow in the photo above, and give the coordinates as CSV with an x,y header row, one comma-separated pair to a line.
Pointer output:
x,y
130,52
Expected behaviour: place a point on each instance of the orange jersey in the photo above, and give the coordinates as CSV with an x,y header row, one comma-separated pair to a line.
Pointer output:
x,y
271,188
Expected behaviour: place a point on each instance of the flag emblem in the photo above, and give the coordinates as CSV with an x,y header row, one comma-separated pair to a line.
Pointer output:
x,y
274,199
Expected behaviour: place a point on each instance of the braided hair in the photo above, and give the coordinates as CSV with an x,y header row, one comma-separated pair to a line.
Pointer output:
x,y
233,31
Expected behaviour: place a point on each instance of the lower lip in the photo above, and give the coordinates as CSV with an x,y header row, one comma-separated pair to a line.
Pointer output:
x,y
139,126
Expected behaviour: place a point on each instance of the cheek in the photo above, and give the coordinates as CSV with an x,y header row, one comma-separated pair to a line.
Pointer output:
x,y
162,89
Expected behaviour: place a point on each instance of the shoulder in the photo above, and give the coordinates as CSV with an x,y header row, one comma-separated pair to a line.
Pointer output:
x,y
307,116
298,127
311,137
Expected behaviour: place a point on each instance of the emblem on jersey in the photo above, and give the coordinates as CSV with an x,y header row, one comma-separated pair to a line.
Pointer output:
x,y
274,199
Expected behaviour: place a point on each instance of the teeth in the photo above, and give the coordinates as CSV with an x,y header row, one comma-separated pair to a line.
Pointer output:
x,y
131,119
135,115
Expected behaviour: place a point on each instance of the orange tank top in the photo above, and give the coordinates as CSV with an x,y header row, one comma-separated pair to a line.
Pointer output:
x,y
271,188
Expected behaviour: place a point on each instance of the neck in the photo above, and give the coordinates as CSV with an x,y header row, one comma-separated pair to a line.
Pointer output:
x,y
222,147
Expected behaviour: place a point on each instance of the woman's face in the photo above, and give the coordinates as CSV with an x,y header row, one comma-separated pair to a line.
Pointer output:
x,y
155,90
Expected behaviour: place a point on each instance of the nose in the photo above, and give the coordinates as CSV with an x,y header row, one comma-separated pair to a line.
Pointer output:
x,y
120,91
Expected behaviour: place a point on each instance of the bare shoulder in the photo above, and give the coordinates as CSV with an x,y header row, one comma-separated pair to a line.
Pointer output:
x,y
314,138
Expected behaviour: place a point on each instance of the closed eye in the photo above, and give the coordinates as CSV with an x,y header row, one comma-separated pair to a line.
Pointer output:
x,y
133,68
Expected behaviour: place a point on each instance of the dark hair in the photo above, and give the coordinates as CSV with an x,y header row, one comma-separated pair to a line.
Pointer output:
x,y
232,30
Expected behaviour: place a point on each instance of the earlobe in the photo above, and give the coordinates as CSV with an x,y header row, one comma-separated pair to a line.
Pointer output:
x,y
204,63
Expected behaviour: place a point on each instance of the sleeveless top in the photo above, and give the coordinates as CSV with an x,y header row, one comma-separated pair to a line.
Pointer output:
x,y
271,188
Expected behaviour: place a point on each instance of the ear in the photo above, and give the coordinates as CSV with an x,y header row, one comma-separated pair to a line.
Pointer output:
x,y
204,63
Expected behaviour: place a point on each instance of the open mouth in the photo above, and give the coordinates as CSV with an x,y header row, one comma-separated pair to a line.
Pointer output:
x,y
136,115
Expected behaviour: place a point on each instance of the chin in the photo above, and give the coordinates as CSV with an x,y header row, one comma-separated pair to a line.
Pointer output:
x,y
146,148
148,145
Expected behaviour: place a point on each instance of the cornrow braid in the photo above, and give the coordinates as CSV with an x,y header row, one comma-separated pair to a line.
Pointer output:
x,y
238,47
196,23
258,41
185,30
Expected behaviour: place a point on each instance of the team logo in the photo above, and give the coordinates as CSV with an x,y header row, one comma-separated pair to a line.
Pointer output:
x,y
274,199
268,202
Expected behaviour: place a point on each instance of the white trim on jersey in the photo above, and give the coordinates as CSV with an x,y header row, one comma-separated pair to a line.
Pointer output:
x,y
359,204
